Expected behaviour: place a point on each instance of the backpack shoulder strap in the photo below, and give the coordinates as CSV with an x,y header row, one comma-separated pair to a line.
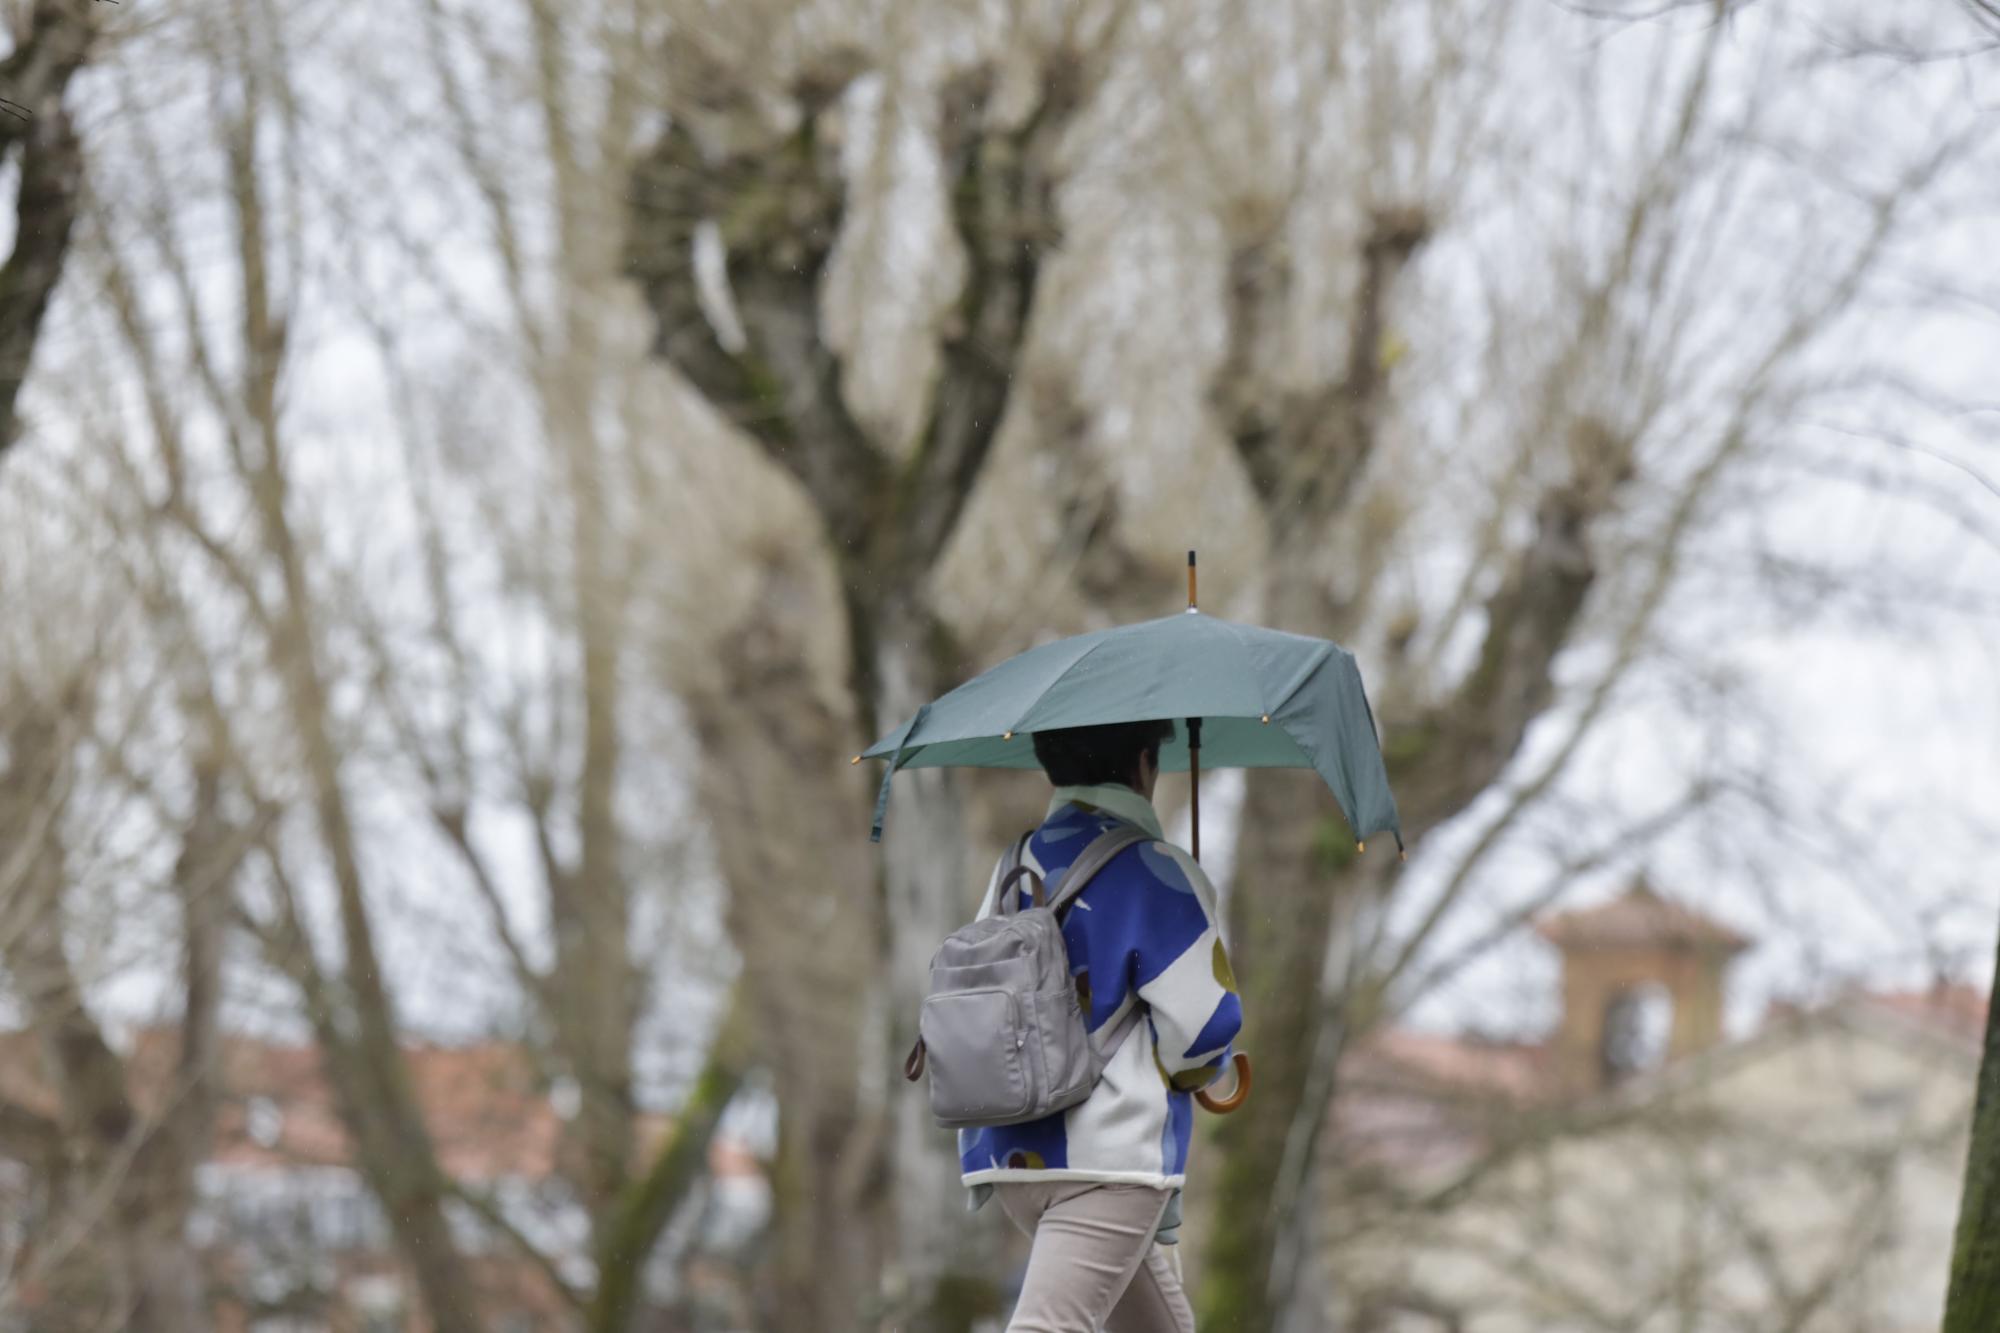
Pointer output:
x,y
1072,882
1092,859
1013,865
1017,853
1112,1035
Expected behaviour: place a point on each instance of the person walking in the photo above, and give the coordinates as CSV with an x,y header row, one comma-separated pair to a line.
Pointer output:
x,y
1097,1186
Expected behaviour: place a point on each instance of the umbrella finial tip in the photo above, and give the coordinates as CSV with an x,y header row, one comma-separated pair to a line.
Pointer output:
x,y
1360,846
1006,735
855,760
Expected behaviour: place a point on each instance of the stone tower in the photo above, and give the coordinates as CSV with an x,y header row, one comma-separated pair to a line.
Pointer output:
x,y
1636,945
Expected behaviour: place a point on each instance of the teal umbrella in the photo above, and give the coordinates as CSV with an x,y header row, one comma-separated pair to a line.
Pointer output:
x,y
1239,697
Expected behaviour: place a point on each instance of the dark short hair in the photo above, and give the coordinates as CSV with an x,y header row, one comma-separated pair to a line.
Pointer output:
x,y
1094,756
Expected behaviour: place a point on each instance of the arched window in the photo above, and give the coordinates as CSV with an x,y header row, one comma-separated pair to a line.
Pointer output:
x,y
1636,1026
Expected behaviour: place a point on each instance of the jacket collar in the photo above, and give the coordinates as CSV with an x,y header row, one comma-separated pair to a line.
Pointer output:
x,y
1114,800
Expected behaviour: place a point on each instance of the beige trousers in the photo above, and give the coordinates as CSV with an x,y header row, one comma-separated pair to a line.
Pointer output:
x,y
1094,1265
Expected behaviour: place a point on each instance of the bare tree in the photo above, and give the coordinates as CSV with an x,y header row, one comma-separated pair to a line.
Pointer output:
x,y
237,371
738,217
1588,412
113,1157
565,749
222,487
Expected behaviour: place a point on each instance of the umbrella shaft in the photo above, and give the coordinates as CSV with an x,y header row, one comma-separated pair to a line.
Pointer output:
x,y
1194,782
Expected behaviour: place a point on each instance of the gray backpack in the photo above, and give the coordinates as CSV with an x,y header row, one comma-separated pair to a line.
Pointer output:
x,y
1002,1030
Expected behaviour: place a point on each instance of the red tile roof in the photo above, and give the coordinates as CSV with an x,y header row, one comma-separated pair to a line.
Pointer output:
x,y
481,1102
1416,1100
1410,1099
1953,1007
1512,1070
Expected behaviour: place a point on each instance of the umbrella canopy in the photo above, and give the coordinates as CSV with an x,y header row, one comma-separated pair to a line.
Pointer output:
x,y
1266,699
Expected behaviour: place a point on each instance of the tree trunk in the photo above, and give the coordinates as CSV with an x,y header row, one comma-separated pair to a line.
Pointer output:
x,y
594,988
785,811
887,516
357,1030
1972,1305
948,1257
1303,880
51,175
168,1294
1291,855
626,1234
165,1271
35,75
127,1182
1295,859
1306,455
364,1058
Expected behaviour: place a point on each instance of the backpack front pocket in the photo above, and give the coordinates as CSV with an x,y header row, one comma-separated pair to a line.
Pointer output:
x,y
975,1042
1060,1043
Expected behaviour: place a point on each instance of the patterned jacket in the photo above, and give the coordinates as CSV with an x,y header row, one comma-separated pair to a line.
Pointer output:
x,y
1145,927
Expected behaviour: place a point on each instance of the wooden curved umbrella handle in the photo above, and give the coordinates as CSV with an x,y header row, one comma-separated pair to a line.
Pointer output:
x,y
1224,1105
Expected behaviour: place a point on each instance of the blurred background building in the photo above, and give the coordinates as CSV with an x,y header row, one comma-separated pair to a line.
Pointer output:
x,y
290,1239
1639,1170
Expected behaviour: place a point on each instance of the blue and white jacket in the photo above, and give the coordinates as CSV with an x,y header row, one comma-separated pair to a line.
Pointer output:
x,y
1146,924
